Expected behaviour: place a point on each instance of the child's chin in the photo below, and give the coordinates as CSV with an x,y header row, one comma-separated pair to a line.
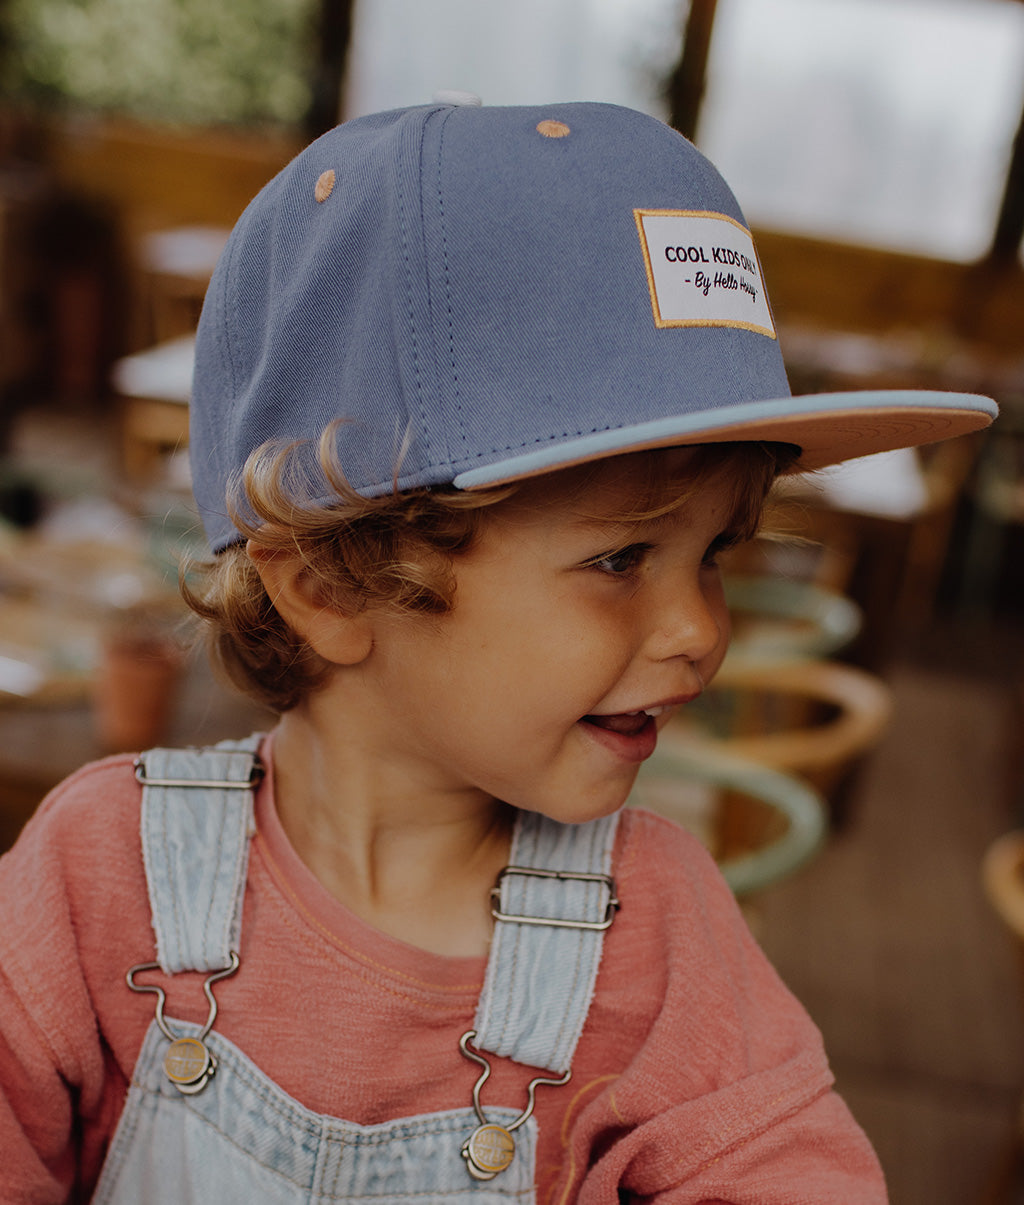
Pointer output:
x,y
580,811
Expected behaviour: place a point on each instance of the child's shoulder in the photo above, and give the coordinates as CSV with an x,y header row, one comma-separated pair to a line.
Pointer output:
x,y
660,846
86,831
96,796
74,912
671,882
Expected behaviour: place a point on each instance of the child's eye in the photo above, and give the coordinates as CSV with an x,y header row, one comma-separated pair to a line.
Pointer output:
x,y
622,562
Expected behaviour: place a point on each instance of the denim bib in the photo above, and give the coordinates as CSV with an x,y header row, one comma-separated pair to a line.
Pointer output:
x,y
203,1123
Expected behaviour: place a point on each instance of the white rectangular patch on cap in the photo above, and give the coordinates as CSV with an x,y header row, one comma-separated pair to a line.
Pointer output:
x,y
702,270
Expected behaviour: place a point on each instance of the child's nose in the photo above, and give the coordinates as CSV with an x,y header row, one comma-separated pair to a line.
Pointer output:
x,y
690,621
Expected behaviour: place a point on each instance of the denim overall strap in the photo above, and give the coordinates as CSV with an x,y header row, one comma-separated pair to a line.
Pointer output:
x,y
540,976
240,1138
197,818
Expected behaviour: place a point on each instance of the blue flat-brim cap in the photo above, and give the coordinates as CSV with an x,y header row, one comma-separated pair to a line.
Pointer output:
x,y
476,295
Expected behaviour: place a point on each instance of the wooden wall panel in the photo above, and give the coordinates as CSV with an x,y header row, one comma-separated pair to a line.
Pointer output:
x,y
160,177
844,287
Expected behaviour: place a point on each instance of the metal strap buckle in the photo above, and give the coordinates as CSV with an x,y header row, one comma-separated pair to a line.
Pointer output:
x,y
491,1148
256,772
605,880
188,1062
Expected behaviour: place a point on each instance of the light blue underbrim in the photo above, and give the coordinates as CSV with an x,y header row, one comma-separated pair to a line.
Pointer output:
x,y
828,427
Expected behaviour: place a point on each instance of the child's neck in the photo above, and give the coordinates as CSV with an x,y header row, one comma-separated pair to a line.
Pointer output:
x,y
418,868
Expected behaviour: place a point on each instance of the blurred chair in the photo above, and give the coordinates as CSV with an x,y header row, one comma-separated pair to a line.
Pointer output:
x,y
153,388
778,699
997,495
47,652
174,268
776,618
1002,876
810,718
947,470
760,824
884,524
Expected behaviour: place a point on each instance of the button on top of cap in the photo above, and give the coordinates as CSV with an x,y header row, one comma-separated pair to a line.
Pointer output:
x,y
453,96
324,185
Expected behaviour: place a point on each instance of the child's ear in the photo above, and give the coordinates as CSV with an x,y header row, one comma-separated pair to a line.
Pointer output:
x,y
339,638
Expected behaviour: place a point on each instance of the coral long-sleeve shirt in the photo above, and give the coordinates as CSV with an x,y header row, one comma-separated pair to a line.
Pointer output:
x,y
698,1078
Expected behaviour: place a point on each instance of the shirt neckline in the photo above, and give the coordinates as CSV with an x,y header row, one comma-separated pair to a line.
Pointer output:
x,y
339,925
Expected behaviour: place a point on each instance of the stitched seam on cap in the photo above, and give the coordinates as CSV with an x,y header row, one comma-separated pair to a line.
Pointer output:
x,y
552,438
448,290
407,259
231,300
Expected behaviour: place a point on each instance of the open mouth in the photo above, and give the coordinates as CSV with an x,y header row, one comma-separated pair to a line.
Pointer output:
x,y
626,723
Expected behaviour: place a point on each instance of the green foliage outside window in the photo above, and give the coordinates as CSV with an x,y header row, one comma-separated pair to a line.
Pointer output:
x,y
201,61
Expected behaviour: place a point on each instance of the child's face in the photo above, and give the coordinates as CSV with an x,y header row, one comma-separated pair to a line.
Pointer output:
x,y
568,625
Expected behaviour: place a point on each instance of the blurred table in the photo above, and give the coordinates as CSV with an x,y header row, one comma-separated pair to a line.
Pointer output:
x,y
880,528
889,485
904,538
42,744
87,590
175,266
154,388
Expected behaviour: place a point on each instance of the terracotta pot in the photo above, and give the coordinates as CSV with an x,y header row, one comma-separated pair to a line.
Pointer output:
x,y
134,691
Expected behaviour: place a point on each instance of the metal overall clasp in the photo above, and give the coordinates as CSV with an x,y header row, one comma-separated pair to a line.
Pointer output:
x,y
188,1062
491,1148
563,876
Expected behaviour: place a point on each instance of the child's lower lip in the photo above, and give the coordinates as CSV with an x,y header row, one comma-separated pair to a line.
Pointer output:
x,y
631,747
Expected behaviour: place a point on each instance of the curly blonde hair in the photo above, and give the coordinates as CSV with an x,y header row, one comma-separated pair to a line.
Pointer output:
x,y
396,551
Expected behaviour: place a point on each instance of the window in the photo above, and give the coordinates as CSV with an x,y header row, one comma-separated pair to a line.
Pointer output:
x,y
881,123
527,52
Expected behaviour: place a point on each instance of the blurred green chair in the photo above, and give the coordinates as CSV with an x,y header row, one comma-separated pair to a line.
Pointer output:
x,y
760,825
810,718
781,619
1002,877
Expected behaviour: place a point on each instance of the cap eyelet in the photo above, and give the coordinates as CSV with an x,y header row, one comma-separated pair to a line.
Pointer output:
x,y
553,129
324,186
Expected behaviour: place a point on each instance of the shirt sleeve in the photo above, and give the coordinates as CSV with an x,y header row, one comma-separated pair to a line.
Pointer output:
x,y
62,891
35,1110
817,1155
730,1098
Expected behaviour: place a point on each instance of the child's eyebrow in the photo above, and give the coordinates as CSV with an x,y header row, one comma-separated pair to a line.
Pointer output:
x,y
614,528
595,520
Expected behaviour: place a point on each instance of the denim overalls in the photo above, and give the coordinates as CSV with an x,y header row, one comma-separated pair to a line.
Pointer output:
x,y
203,1123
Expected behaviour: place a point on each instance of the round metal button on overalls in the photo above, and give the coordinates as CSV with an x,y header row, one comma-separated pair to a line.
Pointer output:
x,y
489,1150
188,1063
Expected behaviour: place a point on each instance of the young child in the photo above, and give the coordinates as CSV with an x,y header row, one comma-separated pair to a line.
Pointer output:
x,y
480,395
